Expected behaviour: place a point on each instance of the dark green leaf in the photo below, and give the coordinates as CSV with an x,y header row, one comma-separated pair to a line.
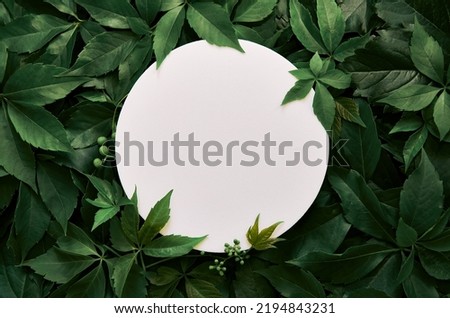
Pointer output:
x,y
304,28
358,14
156,220
419,284
407,123
59,52
31,32
57,191
440,243
441,114
164,275
91,285
20,159
77,242
103,215
129,279
167,5
436,264
65,6
39,127
58,266
324,106
8,187
148,9
355,263
253,10
293,282
3,60
412,97
413,145
406,236
336,78
421,199
349,110
316,64
167,32
331,23
198,288
110,13
250,284
31,219
211,22
348,48
361,206
40,89
407,267
118,239
171,246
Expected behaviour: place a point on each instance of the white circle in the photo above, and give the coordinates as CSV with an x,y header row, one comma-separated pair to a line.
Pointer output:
x,y
221,95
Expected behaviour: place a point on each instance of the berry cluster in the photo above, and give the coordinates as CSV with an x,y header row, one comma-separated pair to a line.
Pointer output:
x,y
234,252
103,150
219,266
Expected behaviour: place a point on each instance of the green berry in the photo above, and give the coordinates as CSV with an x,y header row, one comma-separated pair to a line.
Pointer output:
x,y
101,140
224,269
236,242
103,150
216,261
221,273
97,162
113,135
211,267
202,253
242,262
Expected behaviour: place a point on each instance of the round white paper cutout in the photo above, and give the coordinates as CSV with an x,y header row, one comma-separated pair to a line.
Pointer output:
x,y
208,123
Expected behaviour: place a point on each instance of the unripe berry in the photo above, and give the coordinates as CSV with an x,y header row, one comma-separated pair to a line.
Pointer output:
x,y
103,150
97,162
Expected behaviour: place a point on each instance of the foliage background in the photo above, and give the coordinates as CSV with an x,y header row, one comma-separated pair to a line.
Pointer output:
x,y
379,227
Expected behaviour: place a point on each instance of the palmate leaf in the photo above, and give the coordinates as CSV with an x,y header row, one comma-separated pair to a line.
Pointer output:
x,y
42,87
167,32
110,13
262,240
211,22
253,10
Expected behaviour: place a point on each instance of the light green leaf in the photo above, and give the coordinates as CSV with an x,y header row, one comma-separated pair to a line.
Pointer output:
x,y
31,219
58,266
167,5
316,64
413,145
348,48
171,246
103,215
156,220
57,191
42,87
253,10
427,54
421,199
91,285
129,279
39,127
324,106
293,282
331,23
211,22
441,114
110,13
406,236
102,54
262,240
304,28
355,263
199,288
436,264
407,123
336,78
298,91
31,32
148,9
65,6
412,97
20,160
167,32
361,206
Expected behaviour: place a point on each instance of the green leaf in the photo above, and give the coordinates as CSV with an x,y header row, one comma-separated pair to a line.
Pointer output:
x,y
407,267
171,246
110,13
3,60
298,91
261,240
355,263
58,266
167,5
363,147
167,32
348,48
105,189
8,187
361,206
358,14
211,22
349,110
293,282
103,215
164,275
331,23
253,10
324,106
407,123
199,288
57,191
118,239
427,54
441,113
148,9
102,54
419,284
129,279
40,89
421,199
156,220
406,236
130,220
304,28
436,264
413,145
336,78
31,32
20,159
77,242
31,219
59,51
65,6
39,127
92,285
249,284
137,61
316,64
440,243
412,97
